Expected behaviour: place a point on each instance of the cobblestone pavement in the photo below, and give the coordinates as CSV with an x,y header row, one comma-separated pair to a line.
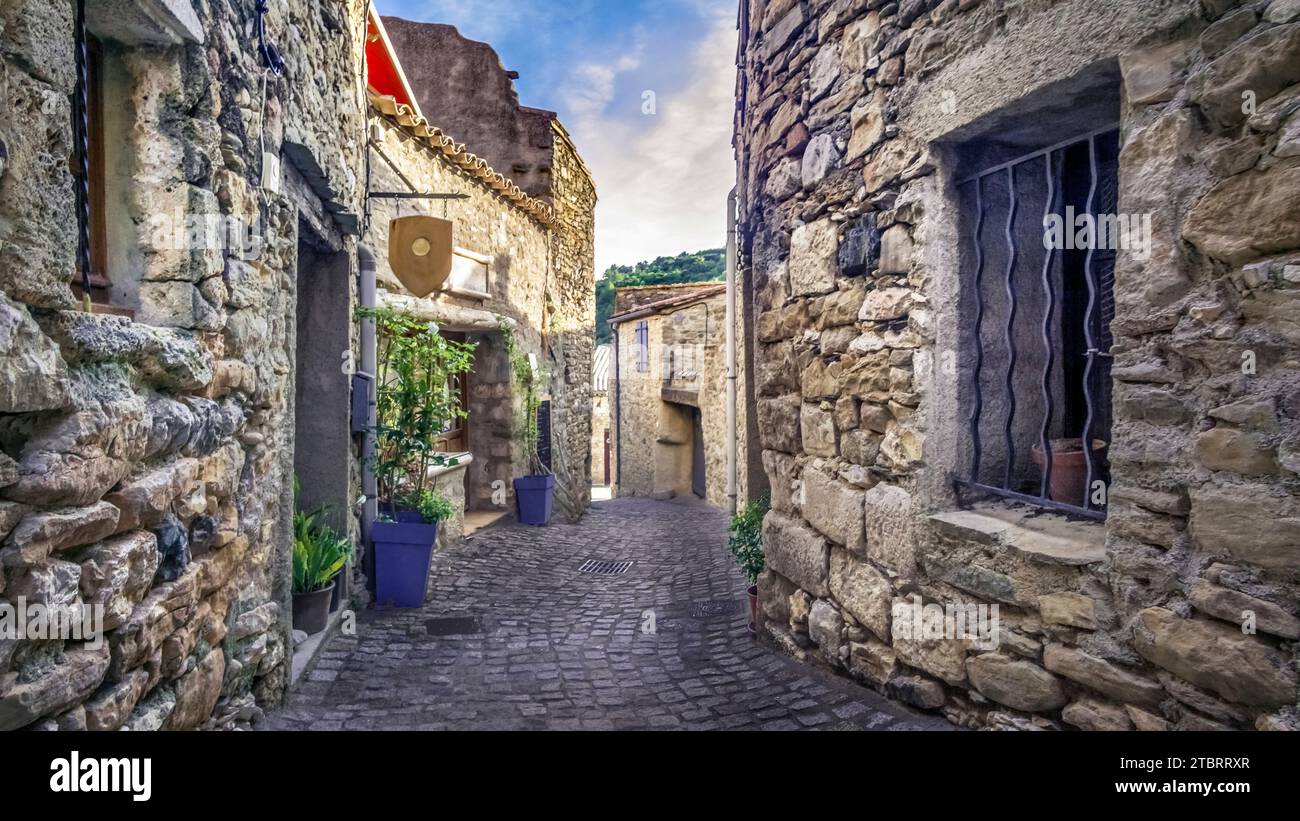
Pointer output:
x,y
565,650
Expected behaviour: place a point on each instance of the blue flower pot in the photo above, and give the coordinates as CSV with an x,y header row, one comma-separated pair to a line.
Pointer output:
x,y
402,554
535,499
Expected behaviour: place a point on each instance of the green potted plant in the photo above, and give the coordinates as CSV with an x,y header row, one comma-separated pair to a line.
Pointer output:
x,y
535,490
415,405
746,545
319,554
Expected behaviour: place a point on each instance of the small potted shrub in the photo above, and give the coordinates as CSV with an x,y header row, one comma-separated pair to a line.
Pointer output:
x,y
404,547
414,407
746,545
535,491
319,555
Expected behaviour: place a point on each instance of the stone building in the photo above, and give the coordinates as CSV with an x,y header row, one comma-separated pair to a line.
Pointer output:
x,y
602,433
147,445
464,89
515,267
925,337
669,406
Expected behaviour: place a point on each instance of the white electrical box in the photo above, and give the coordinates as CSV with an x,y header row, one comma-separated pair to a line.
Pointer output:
x,y
270,172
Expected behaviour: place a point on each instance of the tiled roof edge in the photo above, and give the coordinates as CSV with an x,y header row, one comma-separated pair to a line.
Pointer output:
x,y
477,167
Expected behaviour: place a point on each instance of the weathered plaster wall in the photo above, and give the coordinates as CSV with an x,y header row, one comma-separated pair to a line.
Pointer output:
x,y
600,424
462,87
146,464
858,119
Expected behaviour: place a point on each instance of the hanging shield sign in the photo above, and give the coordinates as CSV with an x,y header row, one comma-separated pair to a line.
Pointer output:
x,y
419,252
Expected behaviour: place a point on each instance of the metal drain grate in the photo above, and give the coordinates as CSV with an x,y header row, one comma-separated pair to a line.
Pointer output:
x,y
454,626
605,568
714,609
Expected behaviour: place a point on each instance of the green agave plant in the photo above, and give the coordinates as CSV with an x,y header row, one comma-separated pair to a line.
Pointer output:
x,y
319,552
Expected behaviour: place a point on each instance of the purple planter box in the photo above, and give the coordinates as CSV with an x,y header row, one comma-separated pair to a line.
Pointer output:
x,y
535,499
402,554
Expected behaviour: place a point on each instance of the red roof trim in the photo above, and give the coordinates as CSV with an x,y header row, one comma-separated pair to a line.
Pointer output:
x,y
384,73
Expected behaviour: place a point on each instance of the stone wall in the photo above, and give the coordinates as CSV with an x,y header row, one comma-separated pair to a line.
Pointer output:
x,y
146,462
636,408
570,324
858,120
463,88
713,407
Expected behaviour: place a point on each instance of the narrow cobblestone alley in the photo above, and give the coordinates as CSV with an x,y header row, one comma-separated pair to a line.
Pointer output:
x,y
556,648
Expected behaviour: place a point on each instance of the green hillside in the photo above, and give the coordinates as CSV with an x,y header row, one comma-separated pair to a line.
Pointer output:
x,y
701,266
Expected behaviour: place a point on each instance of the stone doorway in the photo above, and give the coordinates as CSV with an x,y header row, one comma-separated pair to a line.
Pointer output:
x,y
699,481
322,387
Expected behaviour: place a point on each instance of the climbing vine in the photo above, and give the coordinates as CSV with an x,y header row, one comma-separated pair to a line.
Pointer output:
x,y
529,380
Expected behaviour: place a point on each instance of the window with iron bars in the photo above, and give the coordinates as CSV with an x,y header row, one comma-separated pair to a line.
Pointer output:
x,y
1036,308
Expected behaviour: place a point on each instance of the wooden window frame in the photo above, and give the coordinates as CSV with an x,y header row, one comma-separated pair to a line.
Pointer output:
x,y
460,427
101,284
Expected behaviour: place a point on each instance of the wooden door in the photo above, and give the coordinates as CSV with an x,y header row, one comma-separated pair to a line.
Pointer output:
x,y
609,447
698,480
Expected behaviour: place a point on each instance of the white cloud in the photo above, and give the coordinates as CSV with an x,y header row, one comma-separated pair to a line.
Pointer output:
x,y
478,19
662,179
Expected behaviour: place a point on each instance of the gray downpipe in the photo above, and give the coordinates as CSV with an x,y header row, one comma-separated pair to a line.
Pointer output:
x,y
618,413
732,467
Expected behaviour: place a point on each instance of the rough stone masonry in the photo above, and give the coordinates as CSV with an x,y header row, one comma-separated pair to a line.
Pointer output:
x,y
147,447
857,120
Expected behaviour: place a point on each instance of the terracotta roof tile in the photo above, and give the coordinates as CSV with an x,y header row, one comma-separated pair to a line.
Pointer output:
x,y
432,136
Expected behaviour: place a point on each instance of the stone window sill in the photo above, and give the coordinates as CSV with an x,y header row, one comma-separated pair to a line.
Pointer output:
x,y
1047,538
464,461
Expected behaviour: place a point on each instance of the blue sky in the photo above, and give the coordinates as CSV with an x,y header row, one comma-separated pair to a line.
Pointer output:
x,y
662,176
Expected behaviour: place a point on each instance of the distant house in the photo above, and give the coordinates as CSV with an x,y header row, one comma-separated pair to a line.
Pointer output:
x,y
602,433
669,405
522,259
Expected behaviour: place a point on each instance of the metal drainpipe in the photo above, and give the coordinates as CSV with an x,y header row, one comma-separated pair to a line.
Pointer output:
x,y
618,413
370,367
732,479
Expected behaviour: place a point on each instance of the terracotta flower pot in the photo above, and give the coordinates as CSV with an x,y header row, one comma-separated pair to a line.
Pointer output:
x,y
753,609
1069,480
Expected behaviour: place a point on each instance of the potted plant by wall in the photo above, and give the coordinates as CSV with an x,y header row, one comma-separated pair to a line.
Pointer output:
x,y
415,405
746,545
534,491
319,555
1068,483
